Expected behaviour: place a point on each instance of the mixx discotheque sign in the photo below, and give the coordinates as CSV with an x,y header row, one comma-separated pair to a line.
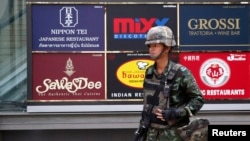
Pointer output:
x,y
127,25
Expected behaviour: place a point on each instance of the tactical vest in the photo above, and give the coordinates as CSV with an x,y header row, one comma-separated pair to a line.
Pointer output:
x,y
152,84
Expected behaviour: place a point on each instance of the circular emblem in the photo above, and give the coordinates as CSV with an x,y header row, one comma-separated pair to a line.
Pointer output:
x,y
214,72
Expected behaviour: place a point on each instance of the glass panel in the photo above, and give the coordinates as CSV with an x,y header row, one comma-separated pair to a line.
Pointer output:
x,y
13,55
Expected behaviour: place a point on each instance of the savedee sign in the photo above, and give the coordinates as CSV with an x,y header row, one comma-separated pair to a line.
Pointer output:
x,y
67,76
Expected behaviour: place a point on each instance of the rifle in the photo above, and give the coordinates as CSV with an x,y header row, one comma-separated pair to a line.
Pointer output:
x,y
141,132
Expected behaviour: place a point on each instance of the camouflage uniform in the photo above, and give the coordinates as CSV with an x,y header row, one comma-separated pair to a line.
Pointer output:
x,y
184,94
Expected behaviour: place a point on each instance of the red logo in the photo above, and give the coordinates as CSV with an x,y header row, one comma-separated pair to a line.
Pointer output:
x,y
214,72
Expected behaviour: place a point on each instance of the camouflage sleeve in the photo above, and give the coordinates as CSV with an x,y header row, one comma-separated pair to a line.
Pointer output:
x,y
191,91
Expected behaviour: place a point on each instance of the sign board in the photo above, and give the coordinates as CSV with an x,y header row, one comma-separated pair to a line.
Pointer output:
x,y
96,54
67,27
221,76
202,26
127,75
68,76
127,25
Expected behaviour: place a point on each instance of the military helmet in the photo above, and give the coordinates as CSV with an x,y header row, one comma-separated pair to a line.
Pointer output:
x,y
160,34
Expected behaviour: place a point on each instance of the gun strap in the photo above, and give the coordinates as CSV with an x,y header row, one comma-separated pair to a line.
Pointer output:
x,y
173,71
168,83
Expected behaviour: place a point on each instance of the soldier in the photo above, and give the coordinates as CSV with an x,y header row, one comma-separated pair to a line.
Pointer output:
x,y
167,105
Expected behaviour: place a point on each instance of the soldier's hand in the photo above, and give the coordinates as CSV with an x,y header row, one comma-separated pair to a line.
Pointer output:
x,y
159,114
169,114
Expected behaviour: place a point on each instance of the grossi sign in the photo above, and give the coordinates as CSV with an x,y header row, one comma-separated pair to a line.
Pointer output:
x,y
77,58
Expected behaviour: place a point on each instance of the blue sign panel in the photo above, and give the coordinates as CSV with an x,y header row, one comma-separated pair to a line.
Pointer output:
x,y
67,27
127,25
214,25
